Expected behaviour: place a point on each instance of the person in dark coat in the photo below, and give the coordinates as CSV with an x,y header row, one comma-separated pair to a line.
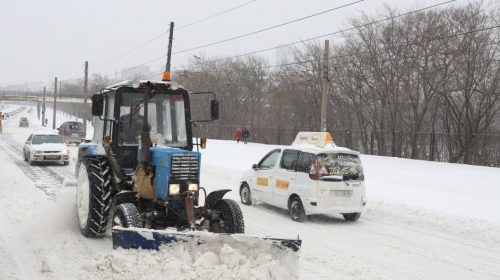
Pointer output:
x,y
237,135
245,134
131,126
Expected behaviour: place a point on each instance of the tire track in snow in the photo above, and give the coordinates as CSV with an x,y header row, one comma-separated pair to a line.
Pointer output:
x,y
44,178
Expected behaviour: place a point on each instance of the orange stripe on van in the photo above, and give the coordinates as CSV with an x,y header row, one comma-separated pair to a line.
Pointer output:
x,y
282,184
262,181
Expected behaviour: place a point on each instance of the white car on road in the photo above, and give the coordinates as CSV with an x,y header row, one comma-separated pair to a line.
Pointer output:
x,y
313,176
45,147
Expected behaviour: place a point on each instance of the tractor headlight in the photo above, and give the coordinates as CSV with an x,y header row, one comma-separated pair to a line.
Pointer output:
x,y
174,189
193,187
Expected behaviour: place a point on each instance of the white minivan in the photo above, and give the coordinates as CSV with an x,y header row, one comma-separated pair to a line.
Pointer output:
x,y
312,176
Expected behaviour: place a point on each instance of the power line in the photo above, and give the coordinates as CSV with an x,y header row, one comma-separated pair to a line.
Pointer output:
x,y
401,45
164,33
271,27
215,15
320,36
364,52
150,74
255,32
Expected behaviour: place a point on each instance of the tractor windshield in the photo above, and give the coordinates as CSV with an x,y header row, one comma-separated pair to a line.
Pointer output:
x,y
166,116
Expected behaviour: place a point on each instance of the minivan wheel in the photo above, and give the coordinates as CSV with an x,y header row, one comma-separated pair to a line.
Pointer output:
x,y
245,194
351,217
296,210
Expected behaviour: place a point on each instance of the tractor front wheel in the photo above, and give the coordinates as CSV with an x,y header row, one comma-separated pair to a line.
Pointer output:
x,y
93,196
126,216
231,218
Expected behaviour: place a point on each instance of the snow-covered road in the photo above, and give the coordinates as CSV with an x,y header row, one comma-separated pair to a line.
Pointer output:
x,y
418,231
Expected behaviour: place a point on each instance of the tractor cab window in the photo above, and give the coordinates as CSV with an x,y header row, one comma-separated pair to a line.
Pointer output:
x,y
166,118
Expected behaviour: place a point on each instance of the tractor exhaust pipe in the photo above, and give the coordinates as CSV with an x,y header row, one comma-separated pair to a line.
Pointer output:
x,y
146,132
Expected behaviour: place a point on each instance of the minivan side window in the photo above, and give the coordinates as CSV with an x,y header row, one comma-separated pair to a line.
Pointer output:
x,y
269,160
289,159
305,162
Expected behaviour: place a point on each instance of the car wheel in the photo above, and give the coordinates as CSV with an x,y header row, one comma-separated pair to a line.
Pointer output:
x,y
30,162
296,210
351,217
245,194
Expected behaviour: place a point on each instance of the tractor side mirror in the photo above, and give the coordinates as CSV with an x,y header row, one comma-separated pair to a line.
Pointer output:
x,y
214,109
97,104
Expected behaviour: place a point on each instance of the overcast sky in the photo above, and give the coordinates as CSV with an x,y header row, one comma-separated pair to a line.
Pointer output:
x,y
43,39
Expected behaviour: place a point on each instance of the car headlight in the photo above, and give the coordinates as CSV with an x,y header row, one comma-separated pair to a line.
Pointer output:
x,y
193,187
174,189
37,152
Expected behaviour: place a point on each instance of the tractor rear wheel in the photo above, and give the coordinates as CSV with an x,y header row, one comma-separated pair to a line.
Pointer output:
x,y
231,217
93,196
126,216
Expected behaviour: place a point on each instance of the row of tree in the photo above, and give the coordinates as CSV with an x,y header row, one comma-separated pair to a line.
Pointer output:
x,y
422,86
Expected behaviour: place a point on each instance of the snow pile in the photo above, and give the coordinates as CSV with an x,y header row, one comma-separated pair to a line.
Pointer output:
x,y
183,260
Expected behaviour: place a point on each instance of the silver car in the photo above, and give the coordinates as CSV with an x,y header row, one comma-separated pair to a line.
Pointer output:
x,y
45,147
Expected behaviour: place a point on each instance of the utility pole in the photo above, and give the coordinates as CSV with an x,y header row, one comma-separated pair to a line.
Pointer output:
x,y
55,104
166,73
85,94
43,108
324,87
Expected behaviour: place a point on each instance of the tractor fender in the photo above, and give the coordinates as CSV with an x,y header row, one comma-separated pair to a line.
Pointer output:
x,y
215,196
88,150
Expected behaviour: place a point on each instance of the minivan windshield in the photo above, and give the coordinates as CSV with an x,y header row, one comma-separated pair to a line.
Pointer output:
x,y
340,164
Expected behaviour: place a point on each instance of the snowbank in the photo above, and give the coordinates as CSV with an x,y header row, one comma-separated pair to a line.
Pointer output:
x,y
186,260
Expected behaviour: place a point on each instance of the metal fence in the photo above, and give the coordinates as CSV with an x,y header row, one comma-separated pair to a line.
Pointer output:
x,y
482,149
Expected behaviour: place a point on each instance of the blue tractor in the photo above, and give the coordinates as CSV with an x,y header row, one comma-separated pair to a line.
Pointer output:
x,y
140,170
140,176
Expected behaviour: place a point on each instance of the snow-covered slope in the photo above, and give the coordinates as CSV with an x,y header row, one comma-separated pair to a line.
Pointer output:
x,y
424,220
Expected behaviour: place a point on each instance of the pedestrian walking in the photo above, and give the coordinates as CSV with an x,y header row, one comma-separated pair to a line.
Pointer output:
x,y
245,134
237,135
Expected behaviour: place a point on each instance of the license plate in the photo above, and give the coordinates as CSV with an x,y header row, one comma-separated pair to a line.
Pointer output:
x,y
341,193
52,157
74,134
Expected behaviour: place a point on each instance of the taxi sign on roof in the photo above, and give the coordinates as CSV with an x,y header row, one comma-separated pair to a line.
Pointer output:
x,y
319,139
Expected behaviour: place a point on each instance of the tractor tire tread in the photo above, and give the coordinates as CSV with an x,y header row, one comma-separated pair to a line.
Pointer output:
x,y
129,215
232,208
100,196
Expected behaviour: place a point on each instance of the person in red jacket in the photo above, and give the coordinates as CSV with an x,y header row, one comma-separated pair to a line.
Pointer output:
x,y
237,135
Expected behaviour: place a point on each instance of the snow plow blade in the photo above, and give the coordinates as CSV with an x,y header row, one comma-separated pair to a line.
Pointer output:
x,y
134,238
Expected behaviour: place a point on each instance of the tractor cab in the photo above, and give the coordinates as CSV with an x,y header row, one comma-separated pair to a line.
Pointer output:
x,y
121,117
